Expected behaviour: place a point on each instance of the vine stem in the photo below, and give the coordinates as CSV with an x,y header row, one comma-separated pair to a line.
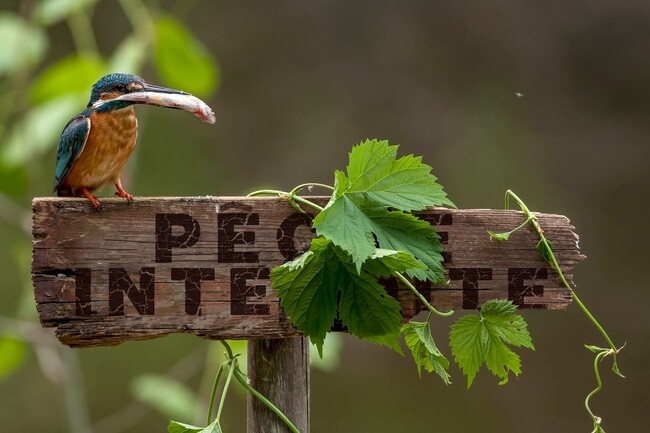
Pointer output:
x,y
235,372
549,256
214,392
222,401
526,221
228,349
291,196
431,308
599,385
555,265
309,184
307,202
243,382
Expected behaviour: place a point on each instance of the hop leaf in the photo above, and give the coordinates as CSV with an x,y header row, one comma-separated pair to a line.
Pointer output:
x,y
426,354
369,312
310,286
404,232
501,237
179,427
384,263
544,251
345,224
484,338
375,173
369,208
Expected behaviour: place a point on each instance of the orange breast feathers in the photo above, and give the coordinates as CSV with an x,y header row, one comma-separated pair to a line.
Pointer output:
x,y
112,139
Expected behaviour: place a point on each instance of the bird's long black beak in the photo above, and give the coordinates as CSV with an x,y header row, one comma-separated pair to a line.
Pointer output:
x,y
159,89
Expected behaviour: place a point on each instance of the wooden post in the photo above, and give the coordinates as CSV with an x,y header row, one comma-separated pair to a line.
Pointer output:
x,y
279,369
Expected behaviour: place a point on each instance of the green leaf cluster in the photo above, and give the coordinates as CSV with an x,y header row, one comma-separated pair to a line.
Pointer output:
x,y
365,233
24,44
484,338
61,89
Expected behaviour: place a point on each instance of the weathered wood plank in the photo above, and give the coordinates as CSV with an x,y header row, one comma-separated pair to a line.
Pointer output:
x,y
201,265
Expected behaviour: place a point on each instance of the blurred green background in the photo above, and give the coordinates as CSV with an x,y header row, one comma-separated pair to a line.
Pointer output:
x,y
551,99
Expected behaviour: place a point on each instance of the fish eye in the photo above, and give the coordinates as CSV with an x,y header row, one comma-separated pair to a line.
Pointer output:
x,y
120,87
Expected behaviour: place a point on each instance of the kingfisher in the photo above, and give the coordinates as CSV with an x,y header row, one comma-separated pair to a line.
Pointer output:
x,y
96,143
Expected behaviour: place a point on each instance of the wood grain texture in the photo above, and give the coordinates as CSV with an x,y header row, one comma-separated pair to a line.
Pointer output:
x,y
201,265
279,370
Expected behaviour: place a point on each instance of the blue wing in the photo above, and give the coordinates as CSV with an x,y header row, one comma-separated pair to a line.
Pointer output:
x,y
71,144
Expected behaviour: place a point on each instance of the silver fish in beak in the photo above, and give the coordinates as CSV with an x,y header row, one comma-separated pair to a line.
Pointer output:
x,y
169,98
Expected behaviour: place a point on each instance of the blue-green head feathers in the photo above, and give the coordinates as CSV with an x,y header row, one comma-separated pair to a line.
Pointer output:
x,y
117,91
118,84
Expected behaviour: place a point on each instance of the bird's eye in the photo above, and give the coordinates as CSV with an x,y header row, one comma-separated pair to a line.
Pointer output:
x,y
120,87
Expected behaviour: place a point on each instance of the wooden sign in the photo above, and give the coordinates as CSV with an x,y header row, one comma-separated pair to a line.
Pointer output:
x,y
202,265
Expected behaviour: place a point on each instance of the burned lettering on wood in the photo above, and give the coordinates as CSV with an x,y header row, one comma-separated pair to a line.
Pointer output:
x,y
192,278
518,290
166,241
248,299
286,235
441,219
142,297
470,278
202,265
82,292
229,238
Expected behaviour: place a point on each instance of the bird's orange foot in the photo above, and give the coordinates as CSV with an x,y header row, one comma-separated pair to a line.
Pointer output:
x,y
121,193
93,200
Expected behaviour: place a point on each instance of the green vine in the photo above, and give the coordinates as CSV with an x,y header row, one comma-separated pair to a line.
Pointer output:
x,y
545,247
293,198
213,426
366,232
